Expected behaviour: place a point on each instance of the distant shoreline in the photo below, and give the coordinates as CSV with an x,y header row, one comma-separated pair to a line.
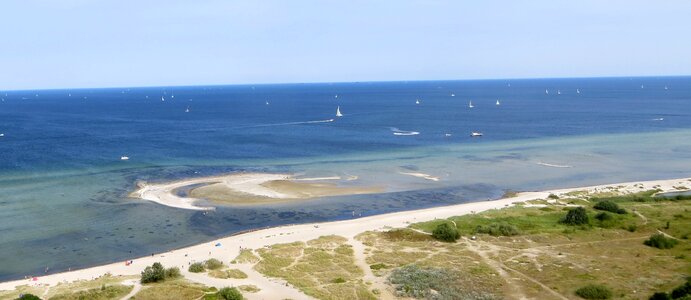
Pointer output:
x,y
258,238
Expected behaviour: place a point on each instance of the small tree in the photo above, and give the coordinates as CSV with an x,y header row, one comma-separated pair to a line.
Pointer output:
x,y
230,293
445,232
576,216
594,291
28,297
154,273
197,267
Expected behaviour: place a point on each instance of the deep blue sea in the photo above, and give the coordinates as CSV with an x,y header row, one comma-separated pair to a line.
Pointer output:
x,y
63,187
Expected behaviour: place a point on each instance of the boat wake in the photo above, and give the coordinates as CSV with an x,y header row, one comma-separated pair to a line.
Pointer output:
x,y
294,123
553,165
397,131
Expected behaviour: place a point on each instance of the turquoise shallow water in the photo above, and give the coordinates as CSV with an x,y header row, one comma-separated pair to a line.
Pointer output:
x,y
64,203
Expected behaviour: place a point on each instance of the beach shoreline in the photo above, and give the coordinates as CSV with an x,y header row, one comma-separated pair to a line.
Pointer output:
x,y
227,248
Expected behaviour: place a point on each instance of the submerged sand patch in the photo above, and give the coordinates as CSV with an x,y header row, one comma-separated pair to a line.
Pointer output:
x,y
246,189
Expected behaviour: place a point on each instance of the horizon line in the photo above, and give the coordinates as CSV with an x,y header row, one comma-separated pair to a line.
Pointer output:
x,y
336,82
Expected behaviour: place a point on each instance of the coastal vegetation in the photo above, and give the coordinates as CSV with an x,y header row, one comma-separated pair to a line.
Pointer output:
x,y
196,267
446,232
323,268
577,242
594,291
156,273
229,293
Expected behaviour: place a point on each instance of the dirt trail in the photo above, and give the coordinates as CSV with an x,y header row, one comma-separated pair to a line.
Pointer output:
x,y
377,282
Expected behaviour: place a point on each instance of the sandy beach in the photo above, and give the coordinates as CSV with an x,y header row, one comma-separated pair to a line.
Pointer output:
x,y
272,288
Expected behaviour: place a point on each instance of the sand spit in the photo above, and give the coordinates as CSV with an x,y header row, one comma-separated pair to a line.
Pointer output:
x,y
245,189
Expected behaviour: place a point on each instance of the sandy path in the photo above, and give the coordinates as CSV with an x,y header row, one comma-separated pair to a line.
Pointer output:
x,y
360,261
305,232
137,287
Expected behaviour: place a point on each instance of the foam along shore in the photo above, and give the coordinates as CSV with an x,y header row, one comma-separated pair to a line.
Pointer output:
x,y
272,289
244,189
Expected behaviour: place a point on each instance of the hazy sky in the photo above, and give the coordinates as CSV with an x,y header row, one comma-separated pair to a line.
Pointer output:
x,y
86,43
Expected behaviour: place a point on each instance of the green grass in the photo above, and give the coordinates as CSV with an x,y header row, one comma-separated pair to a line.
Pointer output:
x,y
228,273
116,291
173,289
245,257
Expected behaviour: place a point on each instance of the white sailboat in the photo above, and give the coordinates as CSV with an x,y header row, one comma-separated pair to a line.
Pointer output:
x,y
641,86
470,104
417,101
665,87
546,92
336,96
498,103
163,99
558,92
338,112
187,109
453,95
578,91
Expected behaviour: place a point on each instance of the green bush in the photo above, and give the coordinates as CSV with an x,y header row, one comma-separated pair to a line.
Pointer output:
x,y
213,264
594,291
28,297
553,196
153,273
378,266
229,293
660,241
683,290
609,206
501,229
660,296
603,216
576,216
196,267
446,232
172,272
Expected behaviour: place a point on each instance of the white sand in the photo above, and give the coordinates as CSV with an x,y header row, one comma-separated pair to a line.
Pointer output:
x,y
250,183
274,288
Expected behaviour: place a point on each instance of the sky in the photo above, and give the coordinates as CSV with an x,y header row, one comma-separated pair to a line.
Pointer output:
x,y
83,43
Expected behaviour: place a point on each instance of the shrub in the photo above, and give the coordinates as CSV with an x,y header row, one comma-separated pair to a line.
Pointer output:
x,y
153,273
502,229
196,267
609,206
28,297
434,283
660,296
446,232
229,293
594,291
213,264
660,241
172,272
378,266
603,216
683,290
632,228
576,216
338,280
553,196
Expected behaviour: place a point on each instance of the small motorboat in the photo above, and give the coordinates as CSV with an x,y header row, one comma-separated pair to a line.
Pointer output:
x,y
124,158
475,134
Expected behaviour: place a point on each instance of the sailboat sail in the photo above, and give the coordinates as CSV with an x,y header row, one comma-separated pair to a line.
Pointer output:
x,y
338,112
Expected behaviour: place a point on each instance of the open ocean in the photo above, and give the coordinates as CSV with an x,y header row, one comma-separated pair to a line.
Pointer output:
x,y
63,187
